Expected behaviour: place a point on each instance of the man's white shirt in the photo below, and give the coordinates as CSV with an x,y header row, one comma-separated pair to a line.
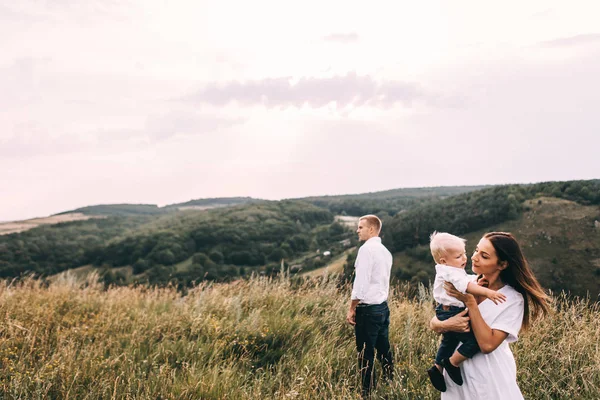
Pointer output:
x,y
457,276
373,267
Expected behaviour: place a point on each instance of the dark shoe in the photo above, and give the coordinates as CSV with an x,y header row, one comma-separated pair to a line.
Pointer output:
x,y
453,372
436,378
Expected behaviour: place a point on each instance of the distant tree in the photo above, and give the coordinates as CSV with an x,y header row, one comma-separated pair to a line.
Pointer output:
x,y
165,257
196,272
200,259
277,255
216,256
140,266
159,274
240,257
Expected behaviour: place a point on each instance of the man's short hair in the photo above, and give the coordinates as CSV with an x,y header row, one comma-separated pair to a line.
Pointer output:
x,y
441,242
374,221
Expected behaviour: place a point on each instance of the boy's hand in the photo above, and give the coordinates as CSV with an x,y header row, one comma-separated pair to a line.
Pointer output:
x,y
496,297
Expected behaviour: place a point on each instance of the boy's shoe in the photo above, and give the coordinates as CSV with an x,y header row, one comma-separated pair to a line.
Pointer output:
x,y
436,378
453,372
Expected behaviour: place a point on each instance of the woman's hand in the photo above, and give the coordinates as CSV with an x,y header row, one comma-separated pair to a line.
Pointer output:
x,y
457,323
464,297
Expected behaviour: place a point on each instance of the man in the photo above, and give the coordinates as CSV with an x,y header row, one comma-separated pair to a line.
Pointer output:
x,y
369,312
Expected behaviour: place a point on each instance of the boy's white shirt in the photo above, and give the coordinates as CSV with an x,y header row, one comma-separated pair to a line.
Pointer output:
x,y
457,276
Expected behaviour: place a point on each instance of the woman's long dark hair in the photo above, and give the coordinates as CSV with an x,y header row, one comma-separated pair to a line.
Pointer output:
x,y
519,275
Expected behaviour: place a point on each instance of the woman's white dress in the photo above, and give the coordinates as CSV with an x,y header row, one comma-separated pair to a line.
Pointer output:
x,y
492,376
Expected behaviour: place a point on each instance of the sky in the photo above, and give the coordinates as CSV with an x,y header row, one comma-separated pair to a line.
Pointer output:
x,y
160,102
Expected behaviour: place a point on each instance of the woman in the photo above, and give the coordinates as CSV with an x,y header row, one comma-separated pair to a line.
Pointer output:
x,y
492,373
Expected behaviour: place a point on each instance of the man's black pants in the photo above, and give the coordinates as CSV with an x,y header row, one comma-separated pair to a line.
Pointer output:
x,y
372,328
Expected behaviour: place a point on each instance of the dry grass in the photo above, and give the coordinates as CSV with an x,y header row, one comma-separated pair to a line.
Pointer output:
x,y
255,339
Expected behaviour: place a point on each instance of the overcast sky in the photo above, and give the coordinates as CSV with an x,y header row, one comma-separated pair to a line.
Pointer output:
x,y
149,101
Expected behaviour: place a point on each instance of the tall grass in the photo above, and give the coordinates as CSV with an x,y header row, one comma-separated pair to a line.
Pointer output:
x,y
256,339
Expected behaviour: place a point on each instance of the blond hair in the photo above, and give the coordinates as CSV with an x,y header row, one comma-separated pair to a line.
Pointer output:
x,y
374,221
441,242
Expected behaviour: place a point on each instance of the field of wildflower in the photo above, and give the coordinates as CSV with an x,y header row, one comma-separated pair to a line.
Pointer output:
x,y
253,339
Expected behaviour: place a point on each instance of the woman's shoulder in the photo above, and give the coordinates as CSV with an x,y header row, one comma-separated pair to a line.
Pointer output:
x,y
511,294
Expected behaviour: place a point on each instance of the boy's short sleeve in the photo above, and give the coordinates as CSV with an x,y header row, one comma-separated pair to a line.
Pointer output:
x,y
460,281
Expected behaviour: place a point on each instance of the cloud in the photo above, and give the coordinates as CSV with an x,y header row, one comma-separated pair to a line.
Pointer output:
x,y
164,126
584,39
7,13
30,140
33,139
348,90
36,10
543,13
20,80
343,38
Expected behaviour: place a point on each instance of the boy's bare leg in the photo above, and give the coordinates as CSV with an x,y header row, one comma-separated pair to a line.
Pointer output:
x,y
456,359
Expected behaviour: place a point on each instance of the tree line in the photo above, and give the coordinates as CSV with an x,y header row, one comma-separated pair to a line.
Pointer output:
x,y
214,244
224,243
477,210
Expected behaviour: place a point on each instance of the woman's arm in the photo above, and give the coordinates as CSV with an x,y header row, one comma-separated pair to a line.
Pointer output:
x,y
487,338
457,323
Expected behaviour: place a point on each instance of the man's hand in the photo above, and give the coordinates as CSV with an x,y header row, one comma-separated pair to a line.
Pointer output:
x,y
350,317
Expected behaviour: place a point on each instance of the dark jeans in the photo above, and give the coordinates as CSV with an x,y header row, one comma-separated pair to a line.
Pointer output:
x,y
450,340
372,326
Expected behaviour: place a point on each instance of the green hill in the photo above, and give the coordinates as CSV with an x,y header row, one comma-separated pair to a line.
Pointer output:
x,y
477,210
212,203
387,202
49,249
119,210
559,239
216,239
180,246
153,209
555,222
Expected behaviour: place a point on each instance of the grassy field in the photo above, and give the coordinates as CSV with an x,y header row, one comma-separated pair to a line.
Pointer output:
x,y
256,339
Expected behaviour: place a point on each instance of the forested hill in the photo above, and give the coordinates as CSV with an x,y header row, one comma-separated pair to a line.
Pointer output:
x,y
183,246
559,224
248,235
162,241
202,239
386,203
476,210
212,202
119,210
153,209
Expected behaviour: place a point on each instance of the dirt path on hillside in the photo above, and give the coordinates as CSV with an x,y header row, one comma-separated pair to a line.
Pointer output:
x,y
336,266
